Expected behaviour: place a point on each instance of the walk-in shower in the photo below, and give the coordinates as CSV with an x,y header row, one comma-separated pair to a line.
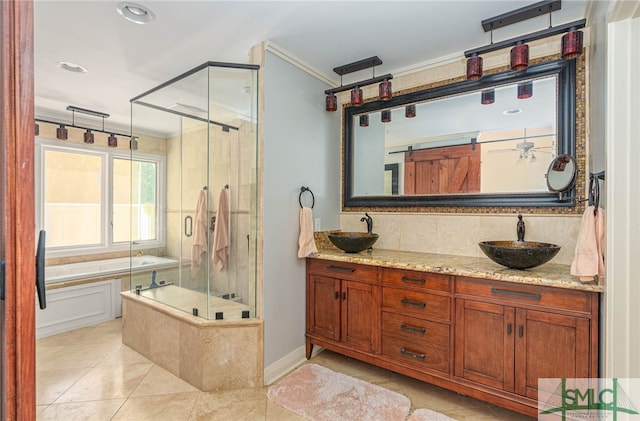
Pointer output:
x,y
201,210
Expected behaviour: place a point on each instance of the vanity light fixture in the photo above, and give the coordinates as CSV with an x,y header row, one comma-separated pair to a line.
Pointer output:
x,y
519,54
525,90
112,141
364,120
88,137
385,116
357,99
410,111
62,133
331,102
474,67
136,13
384,89
356,96
488,96
37,130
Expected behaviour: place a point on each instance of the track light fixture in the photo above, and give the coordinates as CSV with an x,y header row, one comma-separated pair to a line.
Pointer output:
x,y
357,99
62,133
519,54
88,137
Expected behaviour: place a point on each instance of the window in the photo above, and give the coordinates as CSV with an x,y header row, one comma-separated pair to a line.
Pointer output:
x,y
91,200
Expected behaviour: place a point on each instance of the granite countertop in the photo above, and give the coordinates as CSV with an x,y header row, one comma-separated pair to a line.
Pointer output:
x,y
549,274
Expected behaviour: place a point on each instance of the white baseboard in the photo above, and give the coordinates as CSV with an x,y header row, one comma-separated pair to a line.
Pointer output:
x,y
288,363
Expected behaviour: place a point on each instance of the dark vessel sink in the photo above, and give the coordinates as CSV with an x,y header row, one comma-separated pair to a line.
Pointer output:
x,y
352,242
519,254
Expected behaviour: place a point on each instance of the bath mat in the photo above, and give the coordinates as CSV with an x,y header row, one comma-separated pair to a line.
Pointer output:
x,y
424,414
317,393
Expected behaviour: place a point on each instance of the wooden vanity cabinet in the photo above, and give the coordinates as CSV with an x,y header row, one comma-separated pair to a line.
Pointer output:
x,y
491,340
343,306
510,335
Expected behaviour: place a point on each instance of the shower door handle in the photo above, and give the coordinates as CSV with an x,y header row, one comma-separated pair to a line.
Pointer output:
x,y
188,226
40,286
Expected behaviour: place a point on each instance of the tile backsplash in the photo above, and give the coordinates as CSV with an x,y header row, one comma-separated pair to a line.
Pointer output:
x,y
460,234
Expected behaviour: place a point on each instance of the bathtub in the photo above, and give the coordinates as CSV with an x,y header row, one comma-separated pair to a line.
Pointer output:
x,y
87,293
95,268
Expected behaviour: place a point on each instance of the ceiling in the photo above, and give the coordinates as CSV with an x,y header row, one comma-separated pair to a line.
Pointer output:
x,y
125,59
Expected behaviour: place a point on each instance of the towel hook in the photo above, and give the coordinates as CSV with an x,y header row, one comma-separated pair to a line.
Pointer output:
x,y
313,198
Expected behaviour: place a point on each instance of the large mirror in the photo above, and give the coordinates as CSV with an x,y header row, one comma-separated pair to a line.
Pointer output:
x,y
473,143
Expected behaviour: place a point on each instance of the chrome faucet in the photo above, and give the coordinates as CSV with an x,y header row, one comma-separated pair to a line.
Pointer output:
x,y
369,221
520,228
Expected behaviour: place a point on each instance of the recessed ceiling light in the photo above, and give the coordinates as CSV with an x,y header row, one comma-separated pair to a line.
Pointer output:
x,y
135,12
512,111
71,67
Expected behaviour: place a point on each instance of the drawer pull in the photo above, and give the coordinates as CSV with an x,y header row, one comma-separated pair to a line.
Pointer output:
x,y
413,303
516,293
416,280
339,269
508,328
413,329
336,295
520,331
415,355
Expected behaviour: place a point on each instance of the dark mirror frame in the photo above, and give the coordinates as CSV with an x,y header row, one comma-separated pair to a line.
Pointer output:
x,y
566,140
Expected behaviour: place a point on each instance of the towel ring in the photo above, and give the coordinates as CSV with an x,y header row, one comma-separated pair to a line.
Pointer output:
x,y
313,198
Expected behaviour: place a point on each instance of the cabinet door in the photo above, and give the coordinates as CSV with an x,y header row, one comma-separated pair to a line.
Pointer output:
x,y
361,315
549,346
323,306
484,343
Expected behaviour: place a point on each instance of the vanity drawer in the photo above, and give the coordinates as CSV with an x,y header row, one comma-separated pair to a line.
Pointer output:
x,y
421,354
343,270
417,303
412,278
414,329
505,292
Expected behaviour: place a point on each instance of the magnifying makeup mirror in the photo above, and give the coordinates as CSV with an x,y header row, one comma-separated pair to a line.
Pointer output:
x,y
561,175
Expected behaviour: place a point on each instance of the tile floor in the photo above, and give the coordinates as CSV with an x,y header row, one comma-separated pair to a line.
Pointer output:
x,y
87,374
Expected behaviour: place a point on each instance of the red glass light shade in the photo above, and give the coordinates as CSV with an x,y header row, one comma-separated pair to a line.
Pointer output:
x,y
410,111
525,90
474,67
364,120
61,133
112,141
385,90
571,44
386,116
487,97
88,136
520,57
356,96
331,102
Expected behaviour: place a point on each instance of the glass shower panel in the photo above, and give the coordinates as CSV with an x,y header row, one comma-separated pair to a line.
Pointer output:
x,y
205,122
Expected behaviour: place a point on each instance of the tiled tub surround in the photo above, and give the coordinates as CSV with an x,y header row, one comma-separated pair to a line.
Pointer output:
x,y
209,354
459,234
549,274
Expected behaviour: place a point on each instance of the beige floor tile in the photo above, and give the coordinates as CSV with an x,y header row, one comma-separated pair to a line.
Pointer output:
x,y
109,382
45,352
76,356
62,339
277,413
231,405
40,409
173,407
123,355
81,411
160,382
485,414
51,384
354,368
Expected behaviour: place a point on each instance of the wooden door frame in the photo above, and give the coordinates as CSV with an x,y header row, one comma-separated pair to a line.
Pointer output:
x,y
17,213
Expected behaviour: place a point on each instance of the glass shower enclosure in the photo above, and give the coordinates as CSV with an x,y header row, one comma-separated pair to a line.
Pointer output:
x,y
204,122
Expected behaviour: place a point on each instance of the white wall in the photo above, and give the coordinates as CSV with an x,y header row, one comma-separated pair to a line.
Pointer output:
x,y
622,295
301,148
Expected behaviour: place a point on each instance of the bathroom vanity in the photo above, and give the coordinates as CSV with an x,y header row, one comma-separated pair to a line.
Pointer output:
x,y
462,323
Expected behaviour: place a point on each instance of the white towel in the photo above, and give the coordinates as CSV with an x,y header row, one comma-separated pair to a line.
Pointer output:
x,y
220,249
199,245
306,243
588,261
